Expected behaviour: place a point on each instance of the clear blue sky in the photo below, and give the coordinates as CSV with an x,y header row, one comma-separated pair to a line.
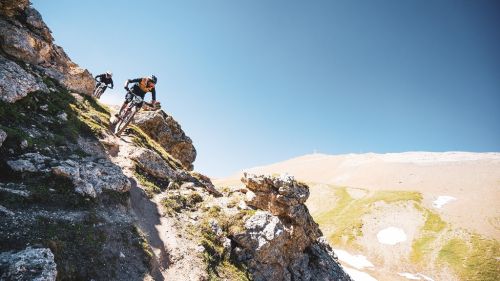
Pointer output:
x,y
261,81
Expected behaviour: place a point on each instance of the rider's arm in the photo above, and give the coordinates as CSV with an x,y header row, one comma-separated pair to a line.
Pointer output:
x,y
112,85
153,93
131,81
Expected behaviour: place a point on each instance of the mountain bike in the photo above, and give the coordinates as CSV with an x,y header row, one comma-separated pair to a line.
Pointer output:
x,y
127,114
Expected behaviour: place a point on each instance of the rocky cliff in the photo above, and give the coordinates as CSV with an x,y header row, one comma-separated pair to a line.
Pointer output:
x,y
78,203
28,53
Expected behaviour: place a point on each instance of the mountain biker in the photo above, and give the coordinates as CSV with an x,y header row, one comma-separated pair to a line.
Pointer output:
x,y
106,79
103,81
140,88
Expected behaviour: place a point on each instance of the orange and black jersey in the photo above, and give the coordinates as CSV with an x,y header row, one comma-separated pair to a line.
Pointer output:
x,y
141,87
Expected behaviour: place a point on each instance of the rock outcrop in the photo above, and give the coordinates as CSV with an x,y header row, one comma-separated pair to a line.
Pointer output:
x,y
152,163
92,177
168,133
29,264
281,241
27,51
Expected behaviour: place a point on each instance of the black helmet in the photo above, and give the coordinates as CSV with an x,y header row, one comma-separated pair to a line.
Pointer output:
x,y
153,78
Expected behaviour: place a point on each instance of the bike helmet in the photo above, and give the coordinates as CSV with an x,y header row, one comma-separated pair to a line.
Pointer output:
x,y
153,78
109,73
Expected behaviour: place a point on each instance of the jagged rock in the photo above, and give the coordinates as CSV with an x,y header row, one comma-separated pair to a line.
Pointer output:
x,y
16,83
153,164
266,234
91,177
168,133
26,38
22,44
282,241
35,21
283,197
11,8
29,264
3,137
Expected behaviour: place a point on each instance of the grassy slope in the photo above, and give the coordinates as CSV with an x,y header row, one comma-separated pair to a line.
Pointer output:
x,y
469,255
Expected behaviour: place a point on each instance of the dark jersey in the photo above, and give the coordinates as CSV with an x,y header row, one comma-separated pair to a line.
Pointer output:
x,y
103,79
136,89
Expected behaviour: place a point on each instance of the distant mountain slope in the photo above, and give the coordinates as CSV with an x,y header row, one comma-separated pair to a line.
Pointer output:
x,y
404,216
472,178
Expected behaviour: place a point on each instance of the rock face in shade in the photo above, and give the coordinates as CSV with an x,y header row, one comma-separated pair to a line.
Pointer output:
x,y
29,53
168,133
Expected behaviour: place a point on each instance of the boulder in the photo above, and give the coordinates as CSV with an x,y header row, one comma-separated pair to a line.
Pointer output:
x,y
168,133
91,177
152,163
29,264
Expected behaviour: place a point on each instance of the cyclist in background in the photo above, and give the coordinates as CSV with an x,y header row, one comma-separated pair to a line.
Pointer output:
x,y
106,79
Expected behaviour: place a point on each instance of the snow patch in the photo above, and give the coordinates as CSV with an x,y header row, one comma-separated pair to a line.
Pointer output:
x,y
409,276
357,261
417,276
391,236
442,200
357,275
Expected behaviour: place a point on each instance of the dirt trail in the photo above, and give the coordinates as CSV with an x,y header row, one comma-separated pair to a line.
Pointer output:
x,y
175,255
